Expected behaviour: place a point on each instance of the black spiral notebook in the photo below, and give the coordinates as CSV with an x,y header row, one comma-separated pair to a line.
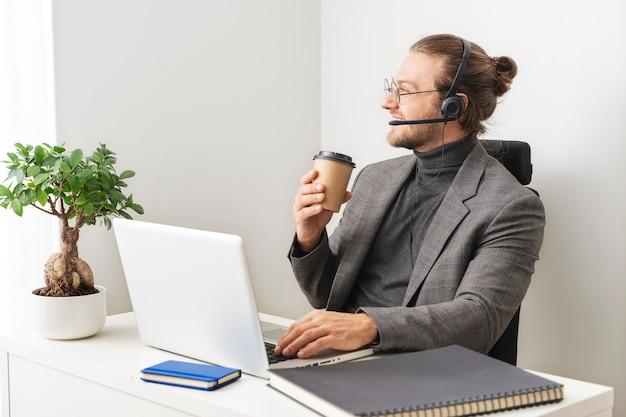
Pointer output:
x,y
446,382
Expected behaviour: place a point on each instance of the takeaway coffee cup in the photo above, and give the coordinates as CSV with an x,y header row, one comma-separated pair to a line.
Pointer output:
x,y
334,170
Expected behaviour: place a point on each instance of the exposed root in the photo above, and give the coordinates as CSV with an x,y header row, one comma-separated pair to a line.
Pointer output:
x,y
67,277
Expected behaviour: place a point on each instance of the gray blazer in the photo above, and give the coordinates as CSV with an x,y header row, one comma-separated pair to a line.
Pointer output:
x,y
473,268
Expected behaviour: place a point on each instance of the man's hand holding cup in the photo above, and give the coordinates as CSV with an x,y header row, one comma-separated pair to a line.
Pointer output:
x,y
321,193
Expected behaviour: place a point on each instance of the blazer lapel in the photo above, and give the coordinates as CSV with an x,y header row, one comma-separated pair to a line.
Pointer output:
x,y
450,213
382,195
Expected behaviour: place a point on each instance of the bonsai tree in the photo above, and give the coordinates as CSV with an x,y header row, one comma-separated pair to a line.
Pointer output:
x,y
71,187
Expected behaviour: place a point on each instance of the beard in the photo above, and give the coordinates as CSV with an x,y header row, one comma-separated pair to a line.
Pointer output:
x,y
414,136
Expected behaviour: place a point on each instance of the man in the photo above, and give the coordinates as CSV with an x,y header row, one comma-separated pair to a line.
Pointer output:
x,y
434,248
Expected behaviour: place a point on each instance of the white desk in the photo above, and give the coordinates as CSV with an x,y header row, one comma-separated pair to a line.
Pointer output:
x,y
99,377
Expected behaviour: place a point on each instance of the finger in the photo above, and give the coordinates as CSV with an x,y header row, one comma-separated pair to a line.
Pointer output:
x,y
307,212
316,346
307,200
347,196
308,177
306,318
290,335
305,338
311,188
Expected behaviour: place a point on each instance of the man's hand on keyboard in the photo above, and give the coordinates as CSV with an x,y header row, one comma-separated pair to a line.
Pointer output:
x,y
320,330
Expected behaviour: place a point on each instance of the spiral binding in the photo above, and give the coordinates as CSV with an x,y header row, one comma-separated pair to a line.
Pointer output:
x,y
482,404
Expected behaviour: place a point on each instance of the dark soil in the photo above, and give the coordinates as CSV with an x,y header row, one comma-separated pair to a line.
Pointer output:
x,y
82,290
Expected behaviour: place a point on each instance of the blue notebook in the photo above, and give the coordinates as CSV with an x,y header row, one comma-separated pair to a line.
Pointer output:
x,y
190,375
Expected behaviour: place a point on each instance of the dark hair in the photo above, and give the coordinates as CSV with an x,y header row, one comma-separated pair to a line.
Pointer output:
x,y
484,80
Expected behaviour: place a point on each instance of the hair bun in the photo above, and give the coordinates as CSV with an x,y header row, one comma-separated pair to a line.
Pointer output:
x,y
505,64
506,69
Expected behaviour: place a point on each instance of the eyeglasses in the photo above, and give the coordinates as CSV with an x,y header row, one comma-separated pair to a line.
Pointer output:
x,y
392,88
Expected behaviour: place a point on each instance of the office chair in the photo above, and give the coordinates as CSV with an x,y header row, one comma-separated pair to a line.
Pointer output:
x,y
515,156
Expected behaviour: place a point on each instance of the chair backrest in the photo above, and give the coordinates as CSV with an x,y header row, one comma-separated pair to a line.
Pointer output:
x,y
515,156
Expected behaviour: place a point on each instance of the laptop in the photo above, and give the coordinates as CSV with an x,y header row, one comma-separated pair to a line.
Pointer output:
x,y
192,295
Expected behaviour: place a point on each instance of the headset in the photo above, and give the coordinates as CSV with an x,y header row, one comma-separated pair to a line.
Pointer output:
x,y
452,106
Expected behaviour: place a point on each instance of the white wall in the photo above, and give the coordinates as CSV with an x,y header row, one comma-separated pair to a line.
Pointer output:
x,y
214,104
567,102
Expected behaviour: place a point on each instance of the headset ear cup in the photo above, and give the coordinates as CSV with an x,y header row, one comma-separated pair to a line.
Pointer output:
x,y
452,107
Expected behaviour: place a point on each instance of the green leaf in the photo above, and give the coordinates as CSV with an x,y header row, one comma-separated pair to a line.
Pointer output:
x,y
88,209
116,196
83,173
40,155
138,208
125,215
108,161
18,189
32,196
49,161
75,184
27,197
18,174
17,207
104,150
41,178
42,197
59,149
96,157
5,192
81,200
106,177
13,157
97,196
127,174
76,157
107,222
22,149
65,168
32,171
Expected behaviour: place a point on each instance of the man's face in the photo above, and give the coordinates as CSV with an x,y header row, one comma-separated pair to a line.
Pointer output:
x,y
416,73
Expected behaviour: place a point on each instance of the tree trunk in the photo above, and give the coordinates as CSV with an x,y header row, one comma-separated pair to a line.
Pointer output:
x,y
65,273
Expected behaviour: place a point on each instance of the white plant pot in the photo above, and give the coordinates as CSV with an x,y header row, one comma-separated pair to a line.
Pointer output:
x,y
66,318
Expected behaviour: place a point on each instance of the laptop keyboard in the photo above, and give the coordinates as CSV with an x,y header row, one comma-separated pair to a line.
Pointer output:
x,y
272,357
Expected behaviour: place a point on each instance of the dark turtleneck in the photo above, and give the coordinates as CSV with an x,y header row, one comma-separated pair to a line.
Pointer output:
x,y
385,274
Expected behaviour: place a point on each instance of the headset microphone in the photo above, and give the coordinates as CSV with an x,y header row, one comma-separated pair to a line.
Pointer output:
x,y
452,106
421,121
